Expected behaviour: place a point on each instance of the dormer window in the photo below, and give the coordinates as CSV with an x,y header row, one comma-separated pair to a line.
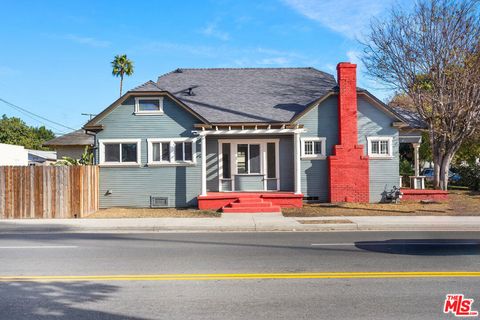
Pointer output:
x,y
148,106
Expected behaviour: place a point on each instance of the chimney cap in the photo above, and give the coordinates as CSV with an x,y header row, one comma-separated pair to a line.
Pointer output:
x,y
346,65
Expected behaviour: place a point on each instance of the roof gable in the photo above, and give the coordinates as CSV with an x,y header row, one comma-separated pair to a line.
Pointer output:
x,y
410,117
149,88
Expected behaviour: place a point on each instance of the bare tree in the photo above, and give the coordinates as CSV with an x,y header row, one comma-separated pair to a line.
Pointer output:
x,y
432,54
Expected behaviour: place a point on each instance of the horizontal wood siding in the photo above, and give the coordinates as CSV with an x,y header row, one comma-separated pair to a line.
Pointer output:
x,y
248,182
384,173
321,121
133,186
48,192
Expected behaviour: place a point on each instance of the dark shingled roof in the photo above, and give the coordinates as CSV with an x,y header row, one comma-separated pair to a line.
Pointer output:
x,y
241,95
75,138
410,117
147,86
248,95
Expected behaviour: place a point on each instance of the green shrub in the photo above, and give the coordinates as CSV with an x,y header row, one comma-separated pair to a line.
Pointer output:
x,y
470,176
406,168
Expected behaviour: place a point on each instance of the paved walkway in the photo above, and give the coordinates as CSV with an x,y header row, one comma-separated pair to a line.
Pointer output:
x,y
245,222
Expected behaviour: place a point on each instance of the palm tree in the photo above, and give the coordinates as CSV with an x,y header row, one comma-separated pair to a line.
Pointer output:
x,y
122,66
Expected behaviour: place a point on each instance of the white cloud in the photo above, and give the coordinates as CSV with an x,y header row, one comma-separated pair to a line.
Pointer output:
x,y
92,42
348,17
354,57
212,30
365,81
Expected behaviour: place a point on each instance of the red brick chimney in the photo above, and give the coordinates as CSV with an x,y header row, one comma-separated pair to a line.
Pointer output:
x,y
347,103
348,174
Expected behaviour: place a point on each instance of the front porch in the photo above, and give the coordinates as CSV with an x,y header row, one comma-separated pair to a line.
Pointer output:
x,y
250,169
416,190
417,181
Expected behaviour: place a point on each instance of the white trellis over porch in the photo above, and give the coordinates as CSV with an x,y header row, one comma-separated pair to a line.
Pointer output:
x,y
250,130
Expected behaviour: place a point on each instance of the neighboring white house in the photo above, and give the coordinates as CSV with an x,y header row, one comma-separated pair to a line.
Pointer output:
x,y
41,157
13,155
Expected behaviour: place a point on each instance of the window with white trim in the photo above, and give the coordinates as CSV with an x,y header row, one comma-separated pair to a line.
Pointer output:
x,y
380,147
148,105
171,151
313,147
248,158
119,151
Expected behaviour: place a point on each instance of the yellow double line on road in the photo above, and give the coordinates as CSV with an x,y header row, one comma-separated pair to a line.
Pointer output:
x,y
244,276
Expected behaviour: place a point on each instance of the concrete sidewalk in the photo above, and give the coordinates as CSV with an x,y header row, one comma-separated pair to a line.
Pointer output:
x,y
245,222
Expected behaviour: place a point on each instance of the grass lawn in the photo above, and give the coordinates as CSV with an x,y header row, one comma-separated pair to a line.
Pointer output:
x,y
152,213
460,203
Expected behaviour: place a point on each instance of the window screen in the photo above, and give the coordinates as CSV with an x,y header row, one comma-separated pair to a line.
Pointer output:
x,y
148,105
226,160
178,151
271,161
129,152
188,151
242,156
165,151
254,157
112,152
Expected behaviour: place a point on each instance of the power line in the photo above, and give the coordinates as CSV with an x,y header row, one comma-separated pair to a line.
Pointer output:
x,y
41,122
18,108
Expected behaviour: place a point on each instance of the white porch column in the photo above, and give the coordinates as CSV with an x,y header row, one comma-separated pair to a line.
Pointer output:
x,y
417,181
297,164
204,164
416,158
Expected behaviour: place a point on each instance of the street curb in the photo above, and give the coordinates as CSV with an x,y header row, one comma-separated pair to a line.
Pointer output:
x,y
242,223
352,227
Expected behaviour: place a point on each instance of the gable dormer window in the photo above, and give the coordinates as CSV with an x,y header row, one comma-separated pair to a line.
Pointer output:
x,y
148,106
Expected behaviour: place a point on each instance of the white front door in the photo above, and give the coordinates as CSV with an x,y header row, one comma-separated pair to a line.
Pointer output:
x,y
248,165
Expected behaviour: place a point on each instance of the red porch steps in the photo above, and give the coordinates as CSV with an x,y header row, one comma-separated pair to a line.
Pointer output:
x,y
249,202
250,205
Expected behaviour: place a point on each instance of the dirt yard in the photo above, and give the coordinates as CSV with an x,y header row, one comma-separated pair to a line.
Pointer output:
x,y
152,213
460,203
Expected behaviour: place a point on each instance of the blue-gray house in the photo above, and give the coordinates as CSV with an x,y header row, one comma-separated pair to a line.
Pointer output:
x,y
240,138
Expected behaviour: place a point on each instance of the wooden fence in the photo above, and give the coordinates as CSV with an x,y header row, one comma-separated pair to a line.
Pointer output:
x,y
48,192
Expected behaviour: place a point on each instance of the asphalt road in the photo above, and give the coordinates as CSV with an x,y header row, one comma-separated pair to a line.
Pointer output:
x,y
270,283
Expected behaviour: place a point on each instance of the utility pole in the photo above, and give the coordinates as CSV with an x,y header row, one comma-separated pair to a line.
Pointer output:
x,y
90,115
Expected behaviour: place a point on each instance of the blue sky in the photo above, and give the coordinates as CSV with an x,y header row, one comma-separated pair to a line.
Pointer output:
x,y
55,55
